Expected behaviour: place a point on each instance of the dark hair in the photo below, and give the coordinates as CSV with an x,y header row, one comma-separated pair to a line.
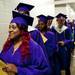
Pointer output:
x,y
28,13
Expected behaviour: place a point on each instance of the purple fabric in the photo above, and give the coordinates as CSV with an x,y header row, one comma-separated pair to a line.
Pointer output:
x,y
24,8
33,66
19,20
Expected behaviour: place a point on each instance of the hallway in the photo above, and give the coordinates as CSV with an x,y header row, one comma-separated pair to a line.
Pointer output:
x,y
72,65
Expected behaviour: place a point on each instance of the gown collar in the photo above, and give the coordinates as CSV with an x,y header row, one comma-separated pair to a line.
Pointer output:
x,y
60,30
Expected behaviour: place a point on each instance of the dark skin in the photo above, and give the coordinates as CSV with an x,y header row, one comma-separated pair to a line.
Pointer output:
x,y
15,35
41,26
49,22
10,68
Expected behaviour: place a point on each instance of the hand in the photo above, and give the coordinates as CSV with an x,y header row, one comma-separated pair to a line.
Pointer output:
x,y
61,43
10,68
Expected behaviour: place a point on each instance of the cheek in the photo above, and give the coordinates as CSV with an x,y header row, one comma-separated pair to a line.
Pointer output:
x,y
59,22
17,33
41,26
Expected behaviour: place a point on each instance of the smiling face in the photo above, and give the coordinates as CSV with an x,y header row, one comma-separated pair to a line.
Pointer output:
x,y
14,31
41,25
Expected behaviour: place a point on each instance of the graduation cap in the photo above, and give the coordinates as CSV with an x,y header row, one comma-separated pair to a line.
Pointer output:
x,y
61,15
50,17
21,19
42,18
24,7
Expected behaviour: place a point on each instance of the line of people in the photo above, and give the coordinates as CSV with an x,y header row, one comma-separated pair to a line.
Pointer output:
x,y
43,50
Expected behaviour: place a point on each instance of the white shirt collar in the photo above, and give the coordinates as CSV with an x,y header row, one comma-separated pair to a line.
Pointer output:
x,y
31,28
60,30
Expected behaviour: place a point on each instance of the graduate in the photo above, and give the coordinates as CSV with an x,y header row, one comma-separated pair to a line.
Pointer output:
x,y
21,54
48,39
49,22
70,25
63,38
35,33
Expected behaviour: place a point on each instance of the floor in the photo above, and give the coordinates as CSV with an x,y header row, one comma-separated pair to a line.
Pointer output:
x,y
73,64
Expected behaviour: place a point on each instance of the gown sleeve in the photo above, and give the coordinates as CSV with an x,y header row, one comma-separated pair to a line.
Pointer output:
x,y
67,36
38,65
36,36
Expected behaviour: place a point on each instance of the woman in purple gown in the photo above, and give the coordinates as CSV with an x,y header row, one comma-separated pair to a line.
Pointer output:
x,y
20,53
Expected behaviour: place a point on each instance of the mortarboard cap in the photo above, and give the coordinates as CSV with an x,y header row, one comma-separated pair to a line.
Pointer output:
x,y
42,18
24,7
61,15
50,17
21,19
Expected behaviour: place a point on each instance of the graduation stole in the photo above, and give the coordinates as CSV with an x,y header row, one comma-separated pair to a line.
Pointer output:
x,y
2,65
44,38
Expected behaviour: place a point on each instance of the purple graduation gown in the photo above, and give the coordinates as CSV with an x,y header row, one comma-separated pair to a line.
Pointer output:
x,y
36,36
36,65
50,46
73,34
63,51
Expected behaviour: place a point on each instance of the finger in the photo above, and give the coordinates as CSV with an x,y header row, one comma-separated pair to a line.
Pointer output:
x,y
4,69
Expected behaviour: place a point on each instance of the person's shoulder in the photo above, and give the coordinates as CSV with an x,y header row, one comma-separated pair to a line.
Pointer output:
x,y
35,31
33,43
67,28
50,33
53,27
34,47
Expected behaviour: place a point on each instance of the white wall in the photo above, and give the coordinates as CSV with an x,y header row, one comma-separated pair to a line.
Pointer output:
x,y
66,9
6,6
70,12
59,9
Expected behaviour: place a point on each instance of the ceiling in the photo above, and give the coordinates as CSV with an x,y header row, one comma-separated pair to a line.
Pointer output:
x,y
72,6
